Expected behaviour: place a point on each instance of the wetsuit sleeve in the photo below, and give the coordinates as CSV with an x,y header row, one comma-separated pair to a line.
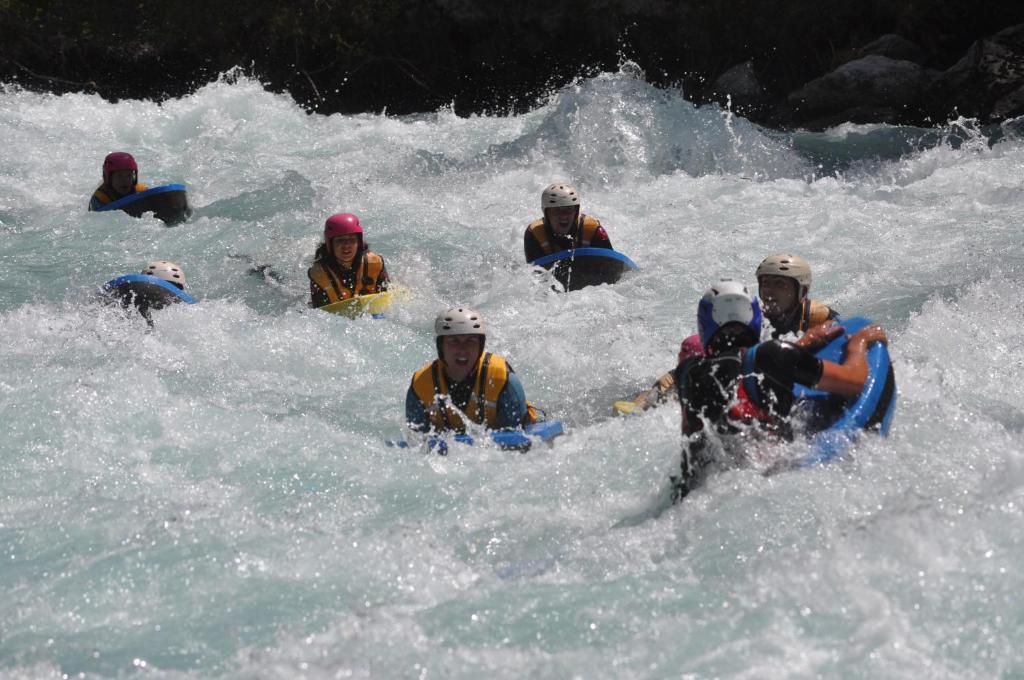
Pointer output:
x,y
784,364
317,295
383,279
681,376
512,410
706,386
415,415
95,204
531,247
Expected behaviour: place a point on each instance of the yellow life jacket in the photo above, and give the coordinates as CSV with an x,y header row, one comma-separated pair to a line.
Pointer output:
x,y
582,235
814,313
366,280
431,387
102,196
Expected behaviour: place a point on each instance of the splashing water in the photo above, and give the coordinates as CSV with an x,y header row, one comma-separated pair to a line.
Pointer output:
x,y
213,498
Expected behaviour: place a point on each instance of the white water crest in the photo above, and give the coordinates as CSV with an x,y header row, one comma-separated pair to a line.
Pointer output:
x,y
213,497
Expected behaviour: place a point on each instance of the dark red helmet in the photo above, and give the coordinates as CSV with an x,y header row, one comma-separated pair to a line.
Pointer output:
x,y
119,160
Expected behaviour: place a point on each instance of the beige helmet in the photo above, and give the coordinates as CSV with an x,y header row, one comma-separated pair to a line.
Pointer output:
x,y
559,195
168,271
459,321
791,266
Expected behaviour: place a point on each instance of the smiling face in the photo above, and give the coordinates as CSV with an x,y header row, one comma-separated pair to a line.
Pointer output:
x,y
460,354
778,293
345,247
562,219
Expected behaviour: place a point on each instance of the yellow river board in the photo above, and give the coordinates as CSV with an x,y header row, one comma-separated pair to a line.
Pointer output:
x,y
374,304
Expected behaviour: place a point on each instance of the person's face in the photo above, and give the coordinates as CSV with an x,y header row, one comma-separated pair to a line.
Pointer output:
x,y
345,247
562,219
460,354
122,181
778,293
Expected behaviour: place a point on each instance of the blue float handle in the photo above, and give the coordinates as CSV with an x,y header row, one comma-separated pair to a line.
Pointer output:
x,y
606,253
509,439
146,278
131,198
832,442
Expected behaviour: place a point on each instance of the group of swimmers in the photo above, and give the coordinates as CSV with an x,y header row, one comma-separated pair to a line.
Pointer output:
x,y
727,380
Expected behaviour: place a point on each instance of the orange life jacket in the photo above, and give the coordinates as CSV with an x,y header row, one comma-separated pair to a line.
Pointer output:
x,y
813,314
102,196
366,280
431,387
582,235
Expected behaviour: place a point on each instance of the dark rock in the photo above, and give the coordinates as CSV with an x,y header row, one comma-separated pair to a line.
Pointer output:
x,y
895,47
986,83
1009,106
475,56
870,89
738,87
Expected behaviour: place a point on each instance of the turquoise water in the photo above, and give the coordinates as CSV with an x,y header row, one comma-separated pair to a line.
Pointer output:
x,y
213,498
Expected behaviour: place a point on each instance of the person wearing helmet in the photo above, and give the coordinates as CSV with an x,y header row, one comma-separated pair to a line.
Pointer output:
x,y
465,381
160,284
741,383
166,271
563,227
120,178
343,265
783,282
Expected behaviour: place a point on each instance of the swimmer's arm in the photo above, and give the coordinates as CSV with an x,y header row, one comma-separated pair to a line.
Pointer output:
x,y
512,409
848,378
817,337
415,415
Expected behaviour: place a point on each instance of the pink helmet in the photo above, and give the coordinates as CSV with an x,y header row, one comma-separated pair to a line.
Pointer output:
x,y
691,347
119,160
340,225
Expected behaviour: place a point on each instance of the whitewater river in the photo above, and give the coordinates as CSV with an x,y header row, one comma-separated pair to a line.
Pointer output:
x,y
213,498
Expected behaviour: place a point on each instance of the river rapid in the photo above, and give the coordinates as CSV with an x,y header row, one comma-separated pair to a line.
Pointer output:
x,y
213,497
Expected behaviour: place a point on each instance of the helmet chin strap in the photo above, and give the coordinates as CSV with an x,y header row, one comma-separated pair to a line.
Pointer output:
x,y
787,318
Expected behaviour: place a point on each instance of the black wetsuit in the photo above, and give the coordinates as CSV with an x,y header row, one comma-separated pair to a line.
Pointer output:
x,y
579,274
708,388
144,296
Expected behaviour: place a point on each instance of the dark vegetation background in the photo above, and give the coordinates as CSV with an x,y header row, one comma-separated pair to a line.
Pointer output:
x,y
490,55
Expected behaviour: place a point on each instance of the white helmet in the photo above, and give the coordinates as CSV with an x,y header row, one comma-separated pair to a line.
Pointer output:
x,y
168,271
727,302
791,266
459,321
559,195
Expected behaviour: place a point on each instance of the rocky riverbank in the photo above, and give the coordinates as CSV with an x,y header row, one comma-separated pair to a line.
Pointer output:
x,y
786,64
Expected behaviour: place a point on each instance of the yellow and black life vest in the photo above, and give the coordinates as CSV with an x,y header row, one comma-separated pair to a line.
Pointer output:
x,y
582,235
431,387
813,314
102,196
366,279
